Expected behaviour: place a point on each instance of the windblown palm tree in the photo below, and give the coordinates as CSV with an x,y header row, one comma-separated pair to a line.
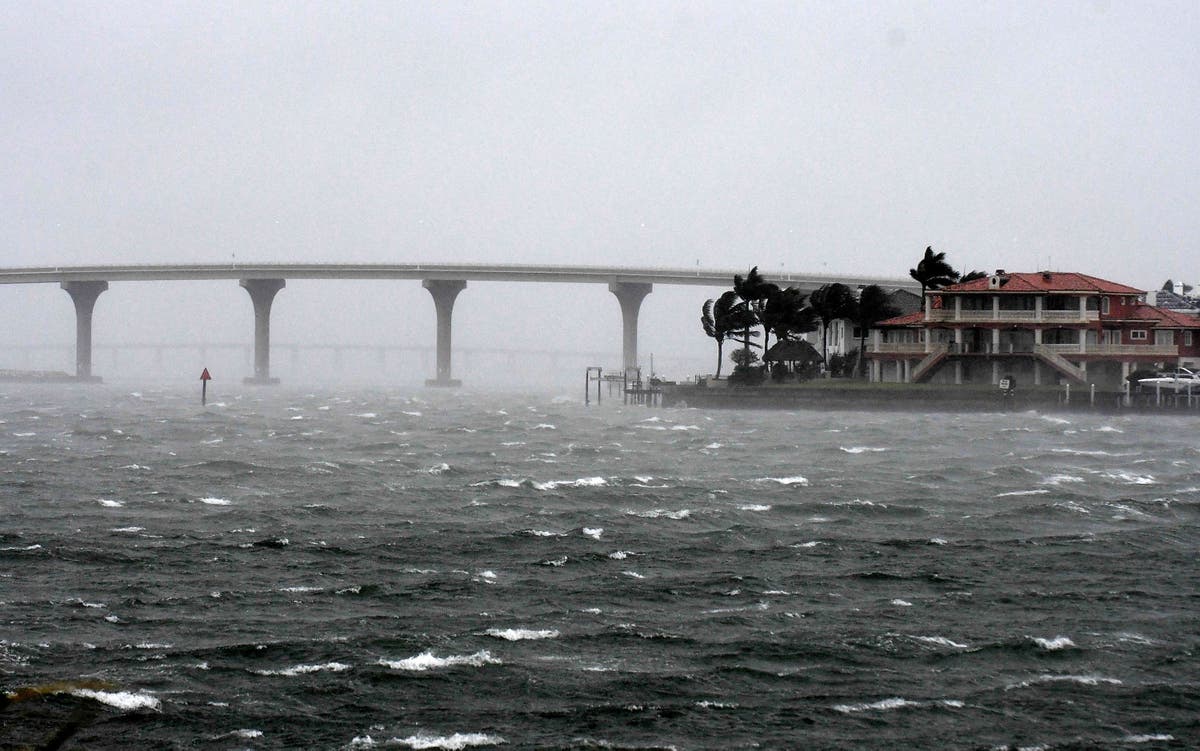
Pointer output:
x,y
755,291
933,271
873,306
787,314
830,302
725,318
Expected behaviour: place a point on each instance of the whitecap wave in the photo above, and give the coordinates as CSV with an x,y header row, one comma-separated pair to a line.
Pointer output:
x,y
429,661
213,501
126,700
333,667
583,482
941,641
795,480
1055,644
1037,491
1060,479
455,742
658,513
861,449
896,702
1129,478
1083,680
521,634
107,503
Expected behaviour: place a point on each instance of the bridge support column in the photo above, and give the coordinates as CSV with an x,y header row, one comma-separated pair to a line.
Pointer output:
x,y
262,294
444,292
630,296
84,295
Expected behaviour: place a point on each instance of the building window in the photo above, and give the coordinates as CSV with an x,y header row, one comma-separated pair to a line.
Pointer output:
x,y
1137,335
1104,305
1164,338
1187,338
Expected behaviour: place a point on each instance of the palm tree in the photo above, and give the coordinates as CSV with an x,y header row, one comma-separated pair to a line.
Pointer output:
x,y
971,276
873,306
933,271
755,291
724,318
830,302
787,313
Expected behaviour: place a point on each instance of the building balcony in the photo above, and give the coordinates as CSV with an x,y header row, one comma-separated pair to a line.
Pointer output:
x,y
948,315
905,348
1025,348
1155,350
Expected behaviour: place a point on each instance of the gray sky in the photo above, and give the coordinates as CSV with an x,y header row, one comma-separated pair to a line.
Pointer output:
x,y
825,137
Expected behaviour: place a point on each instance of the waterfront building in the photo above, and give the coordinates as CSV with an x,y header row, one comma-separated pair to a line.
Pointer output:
x,y
1040,328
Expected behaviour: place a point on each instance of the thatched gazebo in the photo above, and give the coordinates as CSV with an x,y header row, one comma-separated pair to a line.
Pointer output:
x,y
798,354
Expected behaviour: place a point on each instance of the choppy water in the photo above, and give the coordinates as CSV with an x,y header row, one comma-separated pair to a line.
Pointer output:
x,y
428,570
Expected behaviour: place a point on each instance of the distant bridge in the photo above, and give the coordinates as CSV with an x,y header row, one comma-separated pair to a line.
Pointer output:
x,y
444,282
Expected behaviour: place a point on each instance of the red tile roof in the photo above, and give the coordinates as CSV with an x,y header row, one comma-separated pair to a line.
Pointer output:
x,y
1045,281
908,319
1164,318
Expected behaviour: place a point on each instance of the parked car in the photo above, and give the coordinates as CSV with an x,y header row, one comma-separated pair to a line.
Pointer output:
x,y
1175,380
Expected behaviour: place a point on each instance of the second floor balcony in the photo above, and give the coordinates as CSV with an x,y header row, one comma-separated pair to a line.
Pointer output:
x,y
950,315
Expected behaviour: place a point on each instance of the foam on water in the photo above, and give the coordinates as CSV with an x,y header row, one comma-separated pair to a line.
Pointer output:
x,y
292,672
126,700
429,661
454,742
521,634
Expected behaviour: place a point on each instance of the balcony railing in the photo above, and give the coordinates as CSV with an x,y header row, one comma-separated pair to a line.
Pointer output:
x,y
949,315
908,348
1026,348
1164,350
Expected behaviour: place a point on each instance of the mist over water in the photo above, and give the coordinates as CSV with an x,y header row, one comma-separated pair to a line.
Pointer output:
x,y
354,567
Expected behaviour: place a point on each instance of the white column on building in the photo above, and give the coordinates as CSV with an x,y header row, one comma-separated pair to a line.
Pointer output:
x,y
995,307
995,340
995,372
1038,307
1037,373
958,307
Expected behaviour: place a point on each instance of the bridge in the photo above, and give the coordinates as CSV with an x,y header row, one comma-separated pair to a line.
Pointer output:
x,y
443,281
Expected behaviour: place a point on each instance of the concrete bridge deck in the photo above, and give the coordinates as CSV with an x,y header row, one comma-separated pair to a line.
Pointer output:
x,y
443,281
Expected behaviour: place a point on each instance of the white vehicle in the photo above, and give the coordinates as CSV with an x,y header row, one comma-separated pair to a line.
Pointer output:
x,y
1175,380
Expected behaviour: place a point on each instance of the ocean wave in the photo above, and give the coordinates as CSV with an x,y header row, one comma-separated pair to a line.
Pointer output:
x,y
1060,479
126,700
884,705
455,742
110,503
583,482
1083,680
1055,644
503,482
429,661
1013,493
794,480
661,513
1129,478
521,634
860,449
941,641
214,501
754,507
334,667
